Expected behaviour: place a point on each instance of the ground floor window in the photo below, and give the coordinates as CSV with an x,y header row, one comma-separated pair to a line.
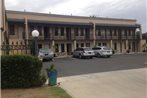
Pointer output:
x,y
56,48
99,44
82,44
62,48
87,44
104,44
115,46
77,45
39,46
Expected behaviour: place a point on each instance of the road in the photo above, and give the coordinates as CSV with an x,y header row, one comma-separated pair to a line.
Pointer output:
x,y
72,66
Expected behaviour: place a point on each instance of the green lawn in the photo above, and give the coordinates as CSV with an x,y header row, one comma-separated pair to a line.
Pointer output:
x,y
40,92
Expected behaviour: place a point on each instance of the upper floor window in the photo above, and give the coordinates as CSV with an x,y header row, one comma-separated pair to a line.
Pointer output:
x,y
110,32
99,32
39,28
126,32
62,31
56,31
129,33
115,32
11,29
82,32
76,31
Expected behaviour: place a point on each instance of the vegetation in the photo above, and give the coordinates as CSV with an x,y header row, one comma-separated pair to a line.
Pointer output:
x,y
21,71
41,92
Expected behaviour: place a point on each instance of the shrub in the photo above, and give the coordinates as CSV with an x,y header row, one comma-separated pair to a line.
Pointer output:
x,y
21,71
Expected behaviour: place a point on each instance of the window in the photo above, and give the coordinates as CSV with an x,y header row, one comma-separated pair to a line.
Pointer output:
x,y
99,44
76,31
31,29
39,46
82,32
77,45
87,44
115,46
62,31
126,32
110,32
12,29
115,32
39,28
82,44
129,32
56,48
104,44
62,48
56,31
99,32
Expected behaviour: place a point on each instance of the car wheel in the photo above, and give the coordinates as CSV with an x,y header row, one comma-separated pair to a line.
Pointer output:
x,y
90,57
73,56
108,56
98,55
80,56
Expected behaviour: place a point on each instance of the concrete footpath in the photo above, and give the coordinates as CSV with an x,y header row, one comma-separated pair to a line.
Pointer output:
x,y
115,84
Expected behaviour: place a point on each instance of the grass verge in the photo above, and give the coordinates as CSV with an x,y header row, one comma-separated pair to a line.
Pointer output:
x,y
41,92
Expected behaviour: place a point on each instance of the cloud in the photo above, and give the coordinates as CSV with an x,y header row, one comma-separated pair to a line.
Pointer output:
x,y
132,9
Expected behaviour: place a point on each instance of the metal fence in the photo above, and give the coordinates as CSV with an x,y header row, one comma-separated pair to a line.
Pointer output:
x,y
11,49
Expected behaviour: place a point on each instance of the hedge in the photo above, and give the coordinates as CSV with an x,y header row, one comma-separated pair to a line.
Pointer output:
x,y
21,71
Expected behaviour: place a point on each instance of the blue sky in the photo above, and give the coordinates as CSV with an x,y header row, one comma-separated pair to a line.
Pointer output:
x,y
129,9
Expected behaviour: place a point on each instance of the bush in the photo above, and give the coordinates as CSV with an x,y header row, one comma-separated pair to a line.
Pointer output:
x,y
21,71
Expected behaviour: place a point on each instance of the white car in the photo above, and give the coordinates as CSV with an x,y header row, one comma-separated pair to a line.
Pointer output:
x,y
45,54
83,52
102,51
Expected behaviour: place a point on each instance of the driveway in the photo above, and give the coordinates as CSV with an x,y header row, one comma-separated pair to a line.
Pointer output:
x,y
130,83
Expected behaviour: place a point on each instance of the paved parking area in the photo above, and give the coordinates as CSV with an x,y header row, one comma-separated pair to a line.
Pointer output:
x,y
73,66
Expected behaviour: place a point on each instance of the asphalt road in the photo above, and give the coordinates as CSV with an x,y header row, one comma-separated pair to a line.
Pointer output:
x,y
72,66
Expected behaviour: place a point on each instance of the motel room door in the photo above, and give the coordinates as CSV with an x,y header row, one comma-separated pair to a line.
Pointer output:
x,y
69,49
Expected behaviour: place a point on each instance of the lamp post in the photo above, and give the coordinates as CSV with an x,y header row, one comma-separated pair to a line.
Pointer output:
x,y
35,34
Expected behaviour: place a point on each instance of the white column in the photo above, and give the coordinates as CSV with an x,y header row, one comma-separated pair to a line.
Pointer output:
x,y
111,44
26,30
75,44
53,45
59,48
94,37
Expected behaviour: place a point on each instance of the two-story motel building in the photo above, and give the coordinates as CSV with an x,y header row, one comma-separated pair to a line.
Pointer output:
x,y
65,33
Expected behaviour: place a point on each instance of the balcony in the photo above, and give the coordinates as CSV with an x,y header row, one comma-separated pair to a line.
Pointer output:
x,y
115,37
80,37
100,37
59,38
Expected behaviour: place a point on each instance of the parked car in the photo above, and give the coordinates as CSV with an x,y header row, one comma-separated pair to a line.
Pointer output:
x,y
45,54
102,51
83,52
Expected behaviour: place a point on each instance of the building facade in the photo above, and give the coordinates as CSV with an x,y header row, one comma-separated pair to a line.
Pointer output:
x,y
64,33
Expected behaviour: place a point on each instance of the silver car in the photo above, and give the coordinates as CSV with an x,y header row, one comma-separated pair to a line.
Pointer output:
x,y
45,54
102,51
83,52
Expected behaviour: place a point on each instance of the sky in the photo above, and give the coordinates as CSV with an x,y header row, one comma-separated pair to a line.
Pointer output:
x,y
126,9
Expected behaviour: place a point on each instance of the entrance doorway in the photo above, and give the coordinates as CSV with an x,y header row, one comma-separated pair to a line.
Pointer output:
x,y
69,49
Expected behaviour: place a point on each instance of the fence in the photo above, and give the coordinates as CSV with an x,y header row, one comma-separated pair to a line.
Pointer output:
x,y
11,49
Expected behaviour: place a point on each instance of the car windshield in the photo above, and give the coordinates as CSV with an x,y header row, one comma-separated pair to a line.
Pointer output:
x,y
45,50
87,49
